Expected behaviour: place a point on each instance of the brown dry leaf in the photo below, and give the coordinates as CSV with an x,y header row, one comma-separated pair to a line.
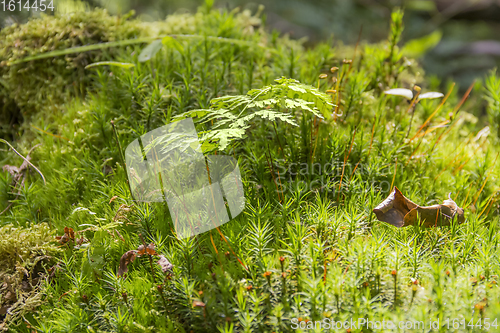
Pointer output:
x,y
198,303
69,233
151,250
164,264
113,199
3,310
393,209
81,240
402,212
130,256
11,296
13,170
62,239
126,259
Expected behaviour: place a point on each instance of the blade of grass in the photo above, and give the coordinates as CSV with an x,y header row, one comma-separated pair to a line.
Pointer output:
x,y
488,204
110,63
411,107
102,46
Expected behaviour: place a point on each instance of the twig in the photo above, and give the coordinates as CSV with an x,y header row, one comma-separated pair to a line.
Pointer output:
x,y
19,174
25,158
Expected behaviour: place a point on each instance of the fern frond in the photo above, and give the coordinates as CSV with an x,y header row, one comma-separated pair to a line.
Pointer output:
x,y
230,115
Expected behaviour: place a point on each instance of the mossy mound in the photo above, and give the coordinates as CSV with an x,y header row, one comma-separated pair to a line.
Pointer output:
x,y
25,256
46,83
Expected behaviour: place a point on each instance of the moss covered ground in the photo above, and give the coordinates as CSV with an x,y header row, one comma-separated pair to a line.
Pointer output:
x,y
307,247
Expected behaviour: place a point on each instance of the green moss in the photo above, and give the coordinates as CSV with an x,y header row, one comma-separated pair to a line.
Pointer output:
x,y
45,84
25,256
313,251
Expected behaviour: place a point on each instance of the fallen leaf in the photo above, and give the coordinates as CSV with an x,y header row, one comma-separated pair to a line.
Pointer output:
x,y
436,215
198,303
11,296
62,239
81,240
126,259
113,199
69,234
130,256
393,209
165,264
399,211
151,250
13,170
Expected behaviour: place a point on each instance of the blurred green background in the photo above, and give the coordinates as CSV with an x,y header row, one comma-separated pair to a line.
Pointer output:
x,y
455,40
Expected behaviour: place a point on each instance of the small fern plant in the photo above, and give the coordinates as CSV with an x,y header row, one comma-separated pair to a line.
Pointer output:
x,y
231,115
